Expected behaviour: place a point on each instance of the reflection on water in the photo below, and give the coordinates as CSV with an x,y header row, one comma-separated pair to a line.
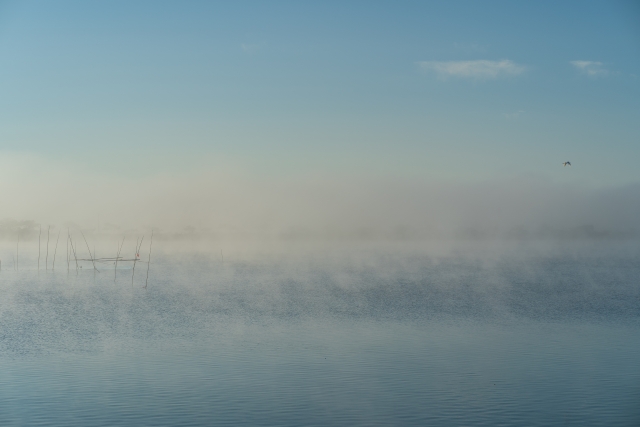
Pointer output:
x,y
375,337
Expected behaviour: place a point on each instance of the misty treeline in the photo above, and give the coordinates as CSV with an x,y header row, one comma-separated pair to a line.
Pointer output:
x,y
10,229
29,230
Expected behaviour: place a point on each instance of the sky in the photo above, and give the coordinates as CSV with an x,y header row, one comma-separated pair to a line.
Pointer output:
x,y
294,115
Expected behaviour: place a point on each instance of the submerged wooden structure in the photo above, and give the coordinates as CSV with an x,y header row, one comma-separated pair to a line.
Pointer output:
x,y
110,260
73,258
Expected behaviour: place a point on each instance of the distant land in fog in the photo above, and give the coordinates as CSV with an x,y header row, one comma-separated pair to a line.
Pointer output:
x,y
378,210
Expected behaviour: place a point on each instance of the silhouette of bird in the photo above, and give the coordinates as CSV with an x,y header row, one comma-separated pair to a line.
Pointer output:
x,y
566,163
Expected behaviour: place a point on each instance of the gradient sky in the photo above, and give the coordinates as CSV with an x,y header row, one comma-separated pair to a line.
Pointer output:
x,y
455,92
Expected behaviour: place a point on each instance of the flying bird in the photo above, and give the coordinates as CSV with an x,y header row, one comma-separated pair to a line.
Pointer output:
x,y
566,163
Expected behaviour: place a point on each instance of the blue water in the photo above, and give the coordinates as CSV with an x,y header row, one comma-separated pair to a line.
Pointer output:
x,y
357,337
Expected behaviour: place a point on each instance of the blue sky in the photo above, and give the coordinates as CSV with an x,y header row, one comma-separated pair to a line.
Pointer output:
x,y
455,92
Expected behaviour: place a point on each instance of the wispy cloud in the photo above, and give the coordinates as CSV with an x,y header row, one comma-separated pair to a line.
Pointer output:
x,y
470,47
478,69
514,115
591,68
251,47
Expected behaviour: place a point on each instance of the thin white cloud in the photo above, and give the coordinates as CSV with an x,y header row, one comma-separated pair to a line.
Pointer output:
x,y
478,69
514,115
591,68
470,47
251,48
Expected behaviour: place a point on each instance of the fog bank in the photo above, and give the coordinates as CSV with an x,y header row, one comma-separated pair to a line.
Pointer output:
x,y
232,202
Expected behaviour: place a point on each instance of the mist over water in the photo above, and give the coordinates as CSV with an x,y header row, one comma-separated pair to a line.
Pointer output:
x,y
485,281
355,299
368,333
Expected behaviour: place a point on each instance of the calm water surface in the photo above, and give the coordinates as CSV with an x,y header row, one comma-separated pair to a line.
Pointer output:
x,y
325,337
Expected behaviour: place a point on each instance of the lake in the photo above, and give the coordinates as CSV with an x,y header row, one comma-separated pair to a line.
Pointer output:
x,y
290,334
